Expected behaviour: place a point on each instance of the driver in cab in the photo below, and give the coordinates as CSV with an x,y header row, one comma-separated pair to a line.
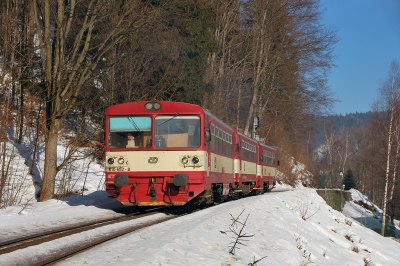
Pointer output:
x,y
131,141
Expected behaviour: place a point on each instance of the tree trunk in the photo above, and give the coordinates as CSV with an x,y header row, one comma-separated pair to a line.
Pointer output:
x,y
397,155
389,148
50,162
21,113
35,146
4,176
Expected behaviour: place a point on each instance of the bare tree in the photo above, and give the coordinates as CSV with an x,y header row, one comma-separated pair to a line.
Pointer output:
x,y
343,153
17,54
264,17
222,67
70,49
396,152
390,93
291,54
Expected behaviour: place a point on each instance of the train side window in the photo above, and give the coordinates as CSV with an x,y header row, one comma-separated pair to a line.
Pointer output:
x,y
213,143
230,144
224,141
217,139
212,137
221,143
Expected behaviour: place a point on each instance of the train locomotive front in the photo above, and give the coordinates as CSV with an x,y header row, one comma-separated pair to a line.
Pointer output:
x,y
154,153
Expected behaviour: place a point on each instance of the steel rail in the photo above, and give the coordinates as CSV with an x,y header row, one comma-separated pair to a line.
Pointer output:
x,y
31,240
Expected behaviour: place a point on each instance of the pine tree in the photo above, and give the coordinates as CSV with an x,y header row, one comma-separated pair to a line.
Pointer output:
x,y
348,181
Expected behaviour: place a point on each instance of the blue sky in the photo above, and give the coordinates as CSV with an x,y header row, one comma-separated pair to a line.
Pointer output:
x,y
369,33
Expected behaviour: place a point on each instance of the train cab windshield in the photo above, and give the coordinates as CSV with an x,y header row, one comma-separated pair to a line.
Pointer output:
x,y
169,132
177,131
130,132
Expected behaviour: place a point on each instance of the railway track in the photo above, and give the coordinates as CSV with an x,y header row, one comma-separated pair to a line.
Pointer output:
x,y
44,252
31,240
86,236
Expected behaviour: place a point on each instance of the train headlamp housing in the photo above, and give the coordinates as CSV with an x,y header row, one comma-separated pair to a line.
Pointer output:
x,y
185,160
151,106
190,160
110,160
121,160
195,160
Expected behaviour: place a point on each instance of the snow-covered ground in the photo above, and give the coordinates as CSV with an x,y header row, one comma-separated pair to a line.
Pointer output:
x,y
294,227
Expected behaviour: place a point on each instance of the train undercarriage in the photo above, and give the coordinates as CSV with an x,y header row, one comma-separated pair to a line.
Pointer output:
x,y
159,193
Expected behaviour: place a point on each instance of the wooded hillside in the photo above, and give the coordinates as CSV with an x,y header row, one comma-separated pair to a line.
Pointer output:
x,y
71,59
62,62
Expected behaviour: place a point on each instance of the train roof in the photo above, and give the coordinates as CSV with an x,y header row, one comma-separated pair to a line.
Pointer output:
x,y
267,146
173,108
262,144
218,120
139,107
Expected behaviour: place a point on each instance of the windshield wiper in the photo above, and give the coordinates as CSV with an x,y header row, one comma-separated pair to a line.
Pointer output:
x,y
168,120
130,118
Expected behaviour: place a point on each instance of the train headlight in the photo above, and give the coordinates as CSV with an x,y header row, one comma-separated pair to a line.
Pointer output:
x,y
110,160
185,160
195,160
121,160
152,106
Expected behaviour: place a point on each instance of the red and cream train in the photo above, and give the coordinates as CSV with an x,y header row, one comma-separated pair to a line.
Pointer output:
x,y
179,154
